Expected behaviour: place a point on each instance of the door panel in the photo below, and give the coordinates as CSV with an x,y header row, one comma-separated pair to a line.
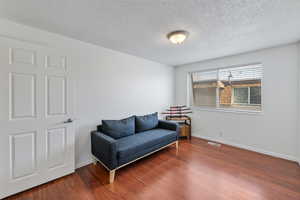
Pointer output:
x,y
22,95
56,95
36,97
56,61
22,155
22,56
56,143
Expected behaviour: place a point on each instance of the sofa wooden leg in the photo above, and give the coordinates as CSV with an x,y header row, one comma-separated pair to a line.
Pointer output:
x,y
176,144
112,176
94,161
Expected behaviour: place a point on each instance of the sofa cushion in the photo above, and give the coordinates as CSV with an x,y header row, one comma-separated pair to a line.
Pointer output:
x,y
119,128
146,122
125,159
136,143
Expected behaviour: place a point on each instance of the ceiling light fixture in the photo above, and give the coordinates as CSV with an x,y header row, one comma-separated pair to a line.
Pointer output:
x,y
178,37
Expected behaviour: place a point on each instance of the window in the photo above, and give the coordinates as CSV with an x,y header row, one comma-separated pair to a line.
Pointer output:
x,y
247,95
255,95
241,95
204,88
231,88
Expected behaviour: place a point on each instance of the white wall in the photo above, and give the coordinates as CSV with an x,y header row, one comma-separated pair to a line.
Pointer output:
x,y
274,131
109,85
298,138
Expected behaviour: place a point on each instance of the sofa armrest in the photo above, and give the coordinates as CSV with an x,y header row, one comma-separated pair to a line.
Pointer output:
x,y
173,126
104,148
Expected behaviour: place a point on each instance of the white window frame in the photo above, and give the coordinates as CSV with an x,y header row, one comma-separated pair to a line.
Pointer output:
x,y
218,108
249,97
233,94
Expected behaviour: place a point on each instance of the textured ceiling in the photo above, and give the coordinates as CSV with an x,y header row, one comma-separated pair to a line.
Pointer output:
x,y
139,27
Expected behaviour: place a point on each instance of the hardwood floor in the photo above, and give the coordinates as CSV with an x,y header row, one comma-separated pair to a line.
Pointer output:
x,y
199,171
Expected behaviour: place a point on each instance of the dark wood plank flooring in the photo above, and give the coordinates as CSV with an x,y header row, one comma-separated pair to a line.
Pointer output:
x,y
199,171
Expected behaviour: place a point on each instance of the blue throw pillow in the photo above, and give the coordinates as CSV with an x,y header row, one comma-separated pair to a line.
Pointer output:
x,y
146,122
119,128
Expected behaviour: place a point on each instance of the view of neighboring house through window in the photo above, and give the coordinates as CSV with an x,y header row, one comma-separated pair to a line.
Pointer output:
x,y
204,88
231,88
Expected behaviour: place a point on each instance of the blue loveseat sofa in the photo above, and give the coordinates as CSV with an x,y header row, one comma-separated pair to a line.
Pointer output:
x,y
117,143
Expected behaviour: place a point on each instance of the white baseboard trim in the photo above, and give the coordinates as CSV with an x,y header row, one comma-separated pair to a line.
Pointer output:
x,y
277,155
250,148
82,164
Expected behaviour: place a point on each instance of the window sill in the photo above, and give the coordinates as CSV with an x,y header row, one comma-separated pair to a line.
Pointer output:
x,y
237,111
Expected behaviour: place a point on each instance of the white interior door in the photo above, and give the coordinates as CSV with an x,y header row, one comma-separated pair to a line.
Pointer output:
x,y
36,98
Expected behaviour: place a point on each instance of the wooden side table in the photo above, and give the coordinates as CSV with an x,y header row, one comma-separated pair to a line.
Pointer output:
x,y
185,124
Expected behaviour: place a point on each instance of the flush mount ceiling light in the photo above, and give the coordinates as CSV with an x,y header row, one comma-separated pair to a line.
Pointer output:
x,y
177,37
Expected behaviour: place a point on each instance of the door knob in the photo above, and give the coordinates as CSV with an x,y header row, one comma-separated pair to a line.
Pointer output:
x,y
68,121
